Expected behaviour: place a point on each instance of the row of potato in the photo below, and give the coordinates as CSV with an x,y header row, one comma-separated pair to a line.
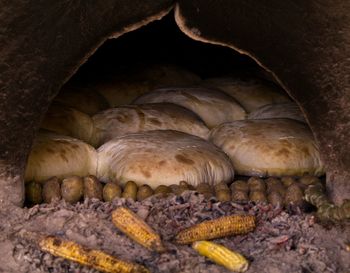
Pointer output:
x,y
200,131
277,192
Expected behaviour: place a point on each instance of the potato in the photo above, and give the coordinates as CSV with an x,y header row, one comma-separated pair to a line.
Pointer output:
x,y
72,189
163,190
111,191
223,195
288,180
130,190
33,193
256,184
205,189
239,185
239,196
274,184
309,180
144,192
294,195
257,196
51,190
221,186
92,187
184,184
275,198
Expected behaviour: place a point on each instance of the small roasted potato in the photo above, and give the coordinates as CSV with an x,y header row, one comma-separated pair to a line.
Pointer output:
x,y
294,195
33,193
274,184
184,184
239,196
256,184
51,190
205,189
92,187
223,195
163,190
288,180
221,186
175,189
309,180
275,199
130,190
72,189
258,196
111,191
239,185
144,192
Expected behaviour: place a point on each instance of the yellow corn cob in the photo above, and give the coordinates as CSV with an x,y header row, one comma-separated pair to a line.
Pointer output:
x,y
134,227
217,228
222,256
93,258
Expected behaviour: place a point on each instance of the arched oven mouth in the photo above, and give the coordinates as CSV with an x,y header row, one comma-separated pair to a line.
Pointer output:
x,y
108,141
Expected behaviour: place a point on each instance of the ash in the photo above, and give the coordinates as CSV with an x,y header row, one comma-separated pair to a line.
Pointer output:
x,y
282,242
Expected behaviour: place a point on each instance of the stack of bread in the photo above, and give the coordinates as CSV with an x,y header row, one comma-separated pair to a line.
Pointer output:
x,y
165,125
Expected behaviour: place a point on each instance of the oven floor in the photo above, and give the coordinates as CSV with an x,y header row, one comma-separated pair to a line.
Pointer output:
x,y
282,242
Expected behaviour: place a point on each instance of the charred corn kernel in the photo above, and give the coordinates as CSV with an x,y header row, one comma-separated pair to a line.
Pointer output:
x,y
138,230
239,196
163,190
221,255
92,187
256,184
223,195
92,258
33,192
239,185
294,195
144,192
217,228
288,180
275,199
51,190
130,190
72,189
111,191
257,196
309,180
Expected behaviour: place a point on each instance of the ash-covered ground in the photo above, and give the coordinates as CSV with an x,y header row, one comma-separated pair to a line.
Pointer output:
x,y
282,242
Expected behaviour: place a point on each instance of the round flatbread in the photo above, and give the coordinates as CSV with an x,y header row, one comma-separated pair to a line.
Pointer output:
x,y
269,147
123,89
280,110
61,156
67,121
251,94
212,105
145,117
163,157
84,99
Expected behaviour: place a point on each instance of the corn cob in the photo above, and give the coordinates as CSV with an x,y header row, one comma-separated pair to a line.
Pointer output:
x,y
221,227
93,258
134,227
222,256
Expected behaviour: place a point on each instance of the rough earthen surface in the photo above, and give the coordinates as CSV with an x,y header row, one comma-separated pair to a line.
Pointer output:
x,y
282,242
